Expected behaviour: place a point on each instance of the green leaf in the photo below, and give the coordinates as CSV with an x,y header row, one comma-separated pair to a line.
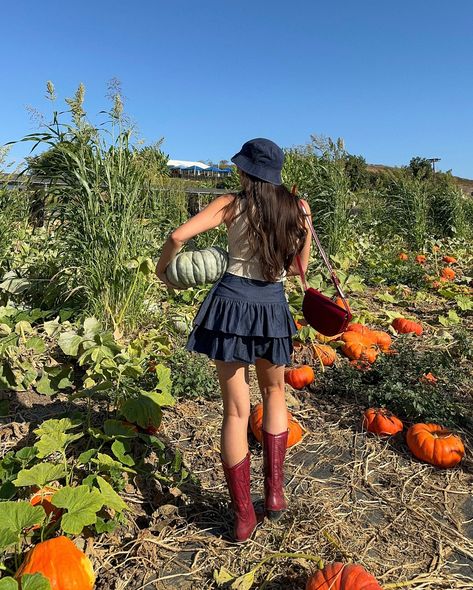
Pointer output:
x,y
26,454
116,428
36,344
24,327
387,297
92,327
144,410
8,584
4,329
104,526
7,491
86,456
44,385
244,582
222,576
106,463
35,582
7,537
450,319
52,328
110,496
16,516
464,302
119,449
53,436
164,385
69,343
40,474
82,505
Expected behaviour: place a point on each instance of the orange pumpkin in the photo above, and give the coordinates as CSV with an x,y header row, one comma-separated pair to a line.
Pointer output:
x,y
449,259
381,339
382,422
358,346
342,576
403,256
420,259
299,377
448,273
435,445
360,328
43,498
403,326
296,431
339,302
325,353
61,562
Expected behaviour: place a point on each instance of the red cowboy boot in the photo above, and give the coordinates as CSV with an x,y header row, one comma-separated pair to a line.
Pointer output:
x,y
238,482
274,451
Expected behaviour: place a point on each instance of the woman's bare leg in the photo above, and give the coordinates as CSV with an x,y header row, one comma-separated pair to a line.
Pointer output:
x,y
271,384
234,384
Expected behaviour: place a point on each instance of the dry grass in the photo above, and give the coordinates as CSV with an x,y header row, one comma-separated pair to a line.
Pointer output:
x,y
352,497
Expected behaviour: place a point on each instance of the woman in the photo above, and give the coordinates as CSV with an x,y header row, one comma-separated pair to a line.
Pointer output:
x,y
245,318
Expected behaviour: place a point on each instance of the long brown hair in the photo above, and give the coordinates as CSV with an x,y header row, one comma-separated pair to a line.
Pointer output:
x,y
276,223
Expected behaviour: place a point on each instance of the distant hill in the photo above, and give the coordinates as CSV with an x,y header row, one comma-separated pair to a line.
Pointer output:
x,y
465,184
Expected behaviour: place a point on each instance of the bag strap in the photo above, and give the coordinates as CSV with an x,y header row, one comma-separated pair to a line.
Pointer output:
x,y
333,276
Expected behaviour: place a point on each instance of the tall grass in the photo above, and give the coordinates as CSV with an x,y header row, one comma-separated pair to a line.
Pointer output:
x,y
447,207
406,210
100,212
318,170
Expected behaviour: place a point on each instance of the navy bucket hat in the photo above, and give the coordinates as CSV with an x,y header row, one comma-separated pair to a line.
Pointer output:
x,y
261,158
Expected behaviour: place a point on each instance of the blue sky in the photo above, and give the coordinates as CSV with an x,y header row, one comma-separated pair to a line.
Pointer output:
x,y
394,79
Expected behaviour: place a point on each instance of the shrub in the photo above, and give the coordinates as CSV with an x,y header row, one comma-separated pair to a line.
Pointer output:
x,y
192,375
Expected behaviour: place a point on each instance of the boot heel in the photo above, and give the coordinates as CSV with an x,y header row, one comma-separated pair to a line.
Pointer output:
x,y
275,515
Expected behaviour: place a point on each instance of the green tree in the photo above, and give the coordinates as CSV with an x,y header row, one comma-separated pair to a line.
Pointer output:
x,y
420,168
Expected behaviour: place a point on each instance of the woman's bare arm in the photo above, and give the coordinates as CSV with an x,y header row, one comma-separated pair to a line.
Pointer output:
x,y
210,217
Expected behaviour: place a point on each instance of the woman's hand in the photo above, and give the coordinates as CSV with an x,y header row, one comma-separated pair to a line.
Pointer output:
x,y
163,278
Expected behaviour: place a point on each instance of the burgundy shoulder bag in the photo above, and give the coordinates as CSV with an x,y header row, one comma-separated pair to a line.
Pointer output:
x,y
320,311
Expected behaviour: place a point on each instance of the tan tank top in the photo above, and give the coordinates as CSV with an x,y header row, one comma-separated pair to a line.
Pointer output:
x,y
240,261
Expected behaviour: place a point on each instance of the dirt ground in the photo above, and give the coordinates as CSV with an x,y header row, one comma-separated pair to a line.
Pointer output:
x,y
352,496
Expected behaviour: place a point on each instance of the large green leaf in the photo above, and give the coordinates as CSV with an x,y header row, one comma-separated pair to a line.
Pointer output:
x,y
40,474
110,496
8,584
69,342
144,410
82,505
53,436
16,516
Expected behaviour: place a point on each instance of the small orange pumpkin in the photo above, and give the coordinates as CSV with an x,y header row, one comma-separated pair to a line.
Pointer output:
x,y
403,256
296,431
64,565
325,353
403,326
358,346
429,378
435,445
43,498
342,576
449,259
382,422
299,377
448,273
420,259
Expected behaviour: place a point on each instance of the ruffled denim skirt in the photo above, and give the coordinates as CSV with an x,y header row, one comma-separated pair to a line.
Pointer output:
x,y
242,320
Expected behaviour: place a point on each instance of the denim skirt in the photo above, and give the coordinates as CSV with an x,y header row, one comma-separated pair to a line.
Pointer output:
x,y
242,320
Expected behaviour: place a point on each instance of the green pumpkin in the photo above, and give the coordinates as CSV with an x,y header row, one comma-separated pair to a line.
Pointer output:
x,y
197,267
